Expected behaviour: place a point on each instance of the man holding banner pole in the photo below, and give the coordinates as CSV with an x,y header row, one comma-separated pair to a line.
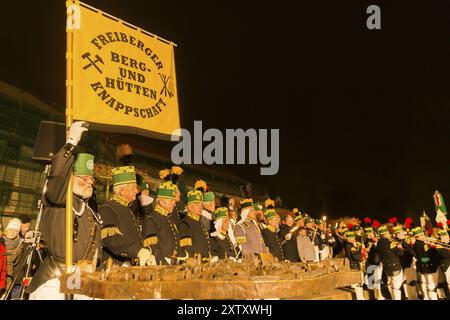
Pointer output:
x,y
86,249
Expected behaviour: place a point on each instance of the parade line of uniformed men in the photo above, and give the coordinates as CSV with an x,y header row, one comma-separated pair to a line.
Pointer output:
x,y
134,229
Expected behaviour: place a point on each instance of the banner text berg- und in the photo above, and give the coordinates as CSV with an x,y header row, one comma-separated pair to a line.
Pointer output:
x,y
123,79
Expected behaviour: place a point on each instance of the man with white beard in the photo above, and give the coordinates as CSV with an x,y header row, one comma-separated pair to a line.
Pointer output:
x,y
87,223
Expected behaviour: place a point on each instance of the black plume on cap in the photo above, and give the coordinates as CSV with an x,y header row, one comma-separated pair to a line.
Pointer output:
x,y
124,154
174,178
246,191
224,202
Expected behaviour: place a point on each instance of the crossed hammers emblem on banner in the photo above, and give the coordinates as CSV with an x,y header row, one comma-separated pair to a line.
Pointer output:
x,y
165,79
93,63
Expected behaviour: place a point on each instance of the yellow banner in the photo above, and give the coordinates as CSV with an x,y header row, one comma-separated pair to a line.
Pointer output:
x,y
123,77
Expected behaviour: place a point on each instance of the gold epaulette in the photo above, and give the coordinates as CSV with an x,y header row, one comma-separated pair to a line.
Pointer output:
x,y
109,232
150,241
185,242
241,240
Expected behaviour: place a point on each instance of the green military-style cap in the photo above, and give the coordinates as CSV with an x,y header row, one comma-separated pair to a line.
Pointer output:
x,y
349,234
208,196
194,197
258,206
221,213
298,218
270,214
84,165
166,190
417,231
246,203
383,230
309,220
123,175
368,230
397,229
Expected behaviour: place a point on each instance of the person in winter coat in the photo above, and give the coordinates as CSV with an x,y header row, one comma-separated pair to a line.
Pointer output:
x,y
2,266
13,244
305,246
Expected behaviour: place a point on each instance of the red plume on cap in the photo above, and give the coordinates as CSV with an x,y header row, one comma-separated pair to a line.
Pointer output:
x,y
393,220
439,225
448,222
376,224
367,220
408,222
349,226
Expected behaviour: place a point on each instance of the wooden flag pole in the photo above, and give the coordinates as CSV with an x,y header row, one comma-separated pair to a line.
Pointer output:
x,y
69,119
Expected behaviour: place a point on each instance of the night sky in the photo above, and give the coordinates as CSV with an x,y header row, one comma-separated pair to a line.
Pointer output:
x,y
363,115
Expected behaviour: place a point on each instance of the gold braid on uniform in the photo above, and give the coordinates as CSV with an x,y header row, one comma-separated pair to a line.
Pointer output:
x,y
109,231
185,242
194,216
151,240
392,245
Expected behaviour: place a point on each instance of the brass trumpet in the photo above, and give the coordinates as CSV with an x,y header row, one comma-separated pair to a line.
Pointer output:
x,y
437,241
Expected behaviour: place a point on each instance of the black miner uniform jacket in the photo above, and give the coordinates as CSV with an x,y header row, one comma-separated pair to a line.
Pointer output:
x,y
353,254
87,223
389,256
406,258
373,257
318,241
270,236
176,216
427,258
290,248
339,245
121,234
221,246
194,238
140,212
161,234
444,258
